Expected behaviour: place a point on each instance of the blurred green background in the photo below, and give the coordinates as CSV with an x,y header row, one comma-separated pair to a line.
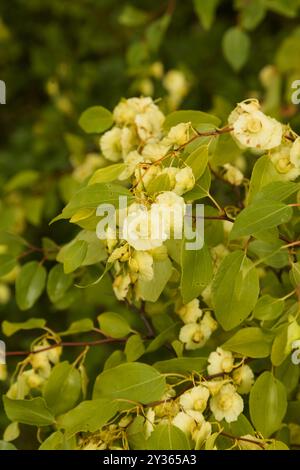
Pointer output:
x,y
58,57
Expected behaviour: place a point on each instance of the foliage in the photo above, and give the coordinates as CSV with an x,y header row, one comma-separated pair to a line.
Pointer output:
x,y
134,341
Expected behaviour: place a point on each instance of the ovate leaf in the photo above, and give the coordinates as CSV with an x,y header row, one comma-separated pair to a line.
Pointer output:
x,y
235,290
114,325
30,284
236,47
167,437
63,388
33,412
261,215
134,381
250,342
88,416
96,119
196,266
268,404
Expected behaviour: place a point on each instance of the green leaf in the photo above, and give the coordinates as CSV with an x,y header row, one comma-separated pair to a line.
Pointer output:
x,y
295,274
271,254
96,119
260,215
108,174
236,47
63,388
182,365
283,343
201,188
276,191
88,416
21,180
263,173
33,412
195,117
158,184
151,290
30,284
206,10
240,427
136,435
134,381
197,161
167,437
7,446
133,17
7,264
113,325
53,442
80,326
235,290
196,272
167,335
134,348
9,328
73,255
268,308
92,196
156,30
268,404
250,342
252,13
58,283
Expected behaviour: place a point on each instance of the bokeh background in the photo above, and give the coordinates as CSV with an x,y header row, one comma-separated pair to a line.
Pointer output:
x,y
58,57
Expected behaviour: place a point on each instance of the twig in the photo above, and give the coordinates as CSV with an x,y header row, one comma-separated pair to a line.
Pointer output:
x,y
67,344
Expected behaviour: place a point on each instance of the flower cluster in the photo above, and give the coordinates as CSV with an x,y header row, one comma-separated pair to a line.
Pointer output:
x,y
40,364
140,141
198,327
251,128
220,396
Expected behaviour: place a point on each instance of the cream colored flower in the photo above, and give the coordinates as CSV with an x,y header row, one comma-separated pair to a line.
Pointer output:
x,y
33,379
184,422
149,422
149,124
143,264
252,128
184,181
220,361
179,135
243,378
195,399
176,84
143,229
201,433
233,175
128,140
194,335
40,361
132,160
209,322
188,421
110,144
191,312
171,209
126,111
144,174
286,159
120,253
227,404
155,151
121,286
